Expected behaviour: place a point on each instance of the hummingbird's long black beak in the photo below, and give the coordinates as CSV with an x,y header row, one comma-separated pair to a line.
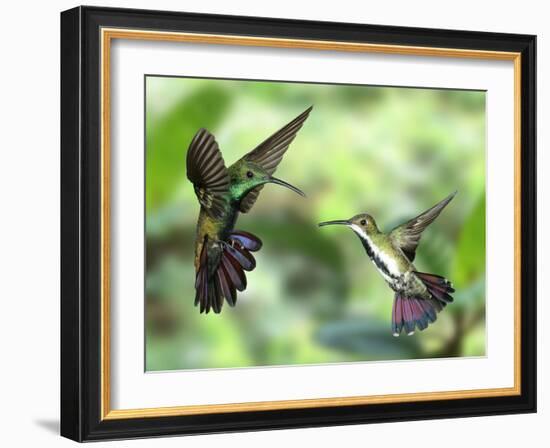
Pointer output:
x,y
343,222
274,180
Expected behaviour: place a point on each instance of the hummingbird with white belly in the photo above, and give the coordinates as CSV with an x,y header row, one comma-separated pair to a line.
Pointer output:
x,y
419,296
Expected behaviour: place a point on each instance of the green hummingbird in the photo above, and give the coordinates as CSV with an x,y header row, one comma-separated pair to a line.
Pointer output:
x,y
223,254
419,296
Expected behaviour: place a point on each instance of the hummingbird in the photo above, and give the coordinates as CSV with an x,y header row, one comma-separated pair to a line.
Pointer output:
x,y
419,296
223,254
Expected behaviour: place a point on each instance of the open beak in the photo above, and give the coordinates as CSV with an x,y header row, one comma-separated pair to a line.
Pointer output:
x,y
274,180
343,222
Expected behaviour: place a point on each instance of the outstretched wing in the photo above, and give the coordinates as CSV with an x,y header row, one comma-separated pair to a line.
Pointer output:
x,y
269,154
407,235
207,171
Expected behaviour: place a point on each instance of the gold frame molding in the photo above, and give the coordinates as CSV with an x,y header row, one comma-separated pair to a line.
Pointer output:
x,y
107,35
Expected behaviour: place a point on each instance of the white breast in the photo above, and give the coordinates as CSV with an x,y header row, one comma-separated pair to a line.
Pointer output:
x,y
384,262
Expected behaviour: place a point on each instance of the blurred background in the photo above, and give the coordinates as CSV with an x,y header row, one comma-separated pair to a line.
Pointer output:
x,y
314,296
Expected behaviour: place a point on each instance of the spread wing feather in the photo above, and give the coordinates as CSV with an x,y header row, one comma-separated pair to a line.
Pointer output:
x,y
270,152
407,235
208,173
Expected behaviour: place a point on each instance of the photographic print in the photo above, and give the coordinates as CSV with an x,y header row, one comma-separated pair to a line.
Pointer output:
x,y
241,174
249,201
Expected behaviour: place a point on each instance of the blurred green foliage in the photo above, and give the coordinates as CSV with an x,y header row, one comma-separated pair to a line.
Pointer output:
x,y
314,296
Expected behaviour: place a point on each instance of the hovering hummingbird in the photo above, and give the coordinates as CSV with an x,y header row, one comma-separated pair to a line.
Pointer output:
x,y
418,295
222,254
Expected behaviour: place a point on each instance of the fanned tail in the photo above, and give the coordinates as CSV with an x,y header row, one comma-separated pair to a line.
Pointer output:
x,y
411,312
222,269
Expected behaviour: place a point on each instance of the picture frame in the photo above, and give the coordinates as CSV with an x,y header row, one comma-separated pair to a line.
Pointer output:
x,y
87,34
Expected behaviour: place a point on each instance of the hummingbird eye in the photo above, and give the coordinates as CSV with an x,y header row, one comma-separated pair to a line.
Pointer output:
x,y
249,174
363,222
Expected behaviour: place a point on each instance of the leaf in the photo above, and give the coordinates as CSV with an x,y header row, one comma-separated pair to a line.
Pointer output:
x,y
470,253
367,337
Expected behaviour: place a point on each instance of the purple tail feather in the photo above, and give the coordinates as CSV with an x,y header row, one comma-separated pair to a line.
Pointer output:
x,y
214,284
410,313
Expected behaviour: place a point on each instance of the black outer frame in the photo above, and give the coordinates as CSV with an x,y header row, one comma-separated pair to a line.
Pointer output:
x,y
80,223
